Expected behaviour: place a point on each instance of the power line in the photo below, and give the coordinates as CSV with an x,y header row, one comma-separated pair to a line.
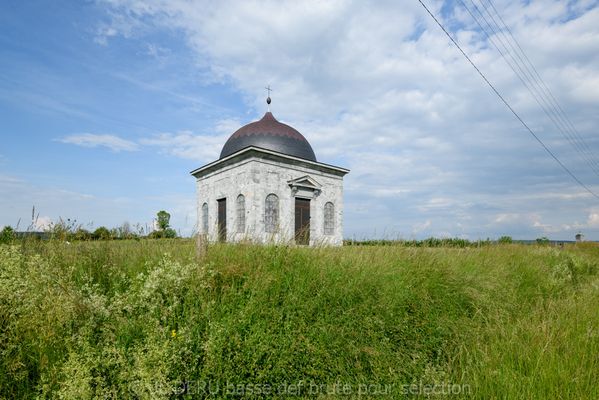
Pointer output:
x,y
539,96
507,104
544,87
577,141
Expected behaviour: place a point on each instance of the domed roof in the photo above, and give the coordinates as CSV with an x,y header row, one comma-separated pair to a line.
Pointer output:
x,y
270,134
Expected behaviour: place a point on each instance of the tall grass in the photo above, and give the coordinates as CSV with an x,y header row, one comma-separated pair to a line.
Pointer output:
x,y
146,319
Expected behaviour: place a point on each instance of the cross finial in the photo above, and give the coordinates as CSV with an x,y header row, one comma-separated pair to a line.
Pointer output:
x,y
268,98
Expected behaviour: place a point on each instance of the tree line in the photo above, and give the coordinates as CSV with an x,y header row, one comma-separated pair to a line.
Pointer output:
x,y
71,230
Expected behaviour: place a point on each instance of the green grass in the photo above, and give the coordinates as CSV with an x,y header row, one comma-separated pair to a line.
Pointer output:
x,y
145,319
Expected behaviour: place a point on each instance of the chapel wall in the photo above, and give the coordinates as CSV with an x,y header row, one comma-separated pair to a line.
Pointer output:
x,y
256,178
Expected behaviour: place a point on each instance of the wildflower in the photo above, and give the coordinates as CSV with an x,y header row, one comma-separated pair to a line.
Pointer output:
x,y
174,333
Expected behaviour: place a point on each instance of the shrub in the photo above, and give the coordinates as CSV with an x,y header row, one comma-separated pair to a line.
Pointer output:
x,y
82,234
543,241
157,234
102,233
170,233
7,234
505,240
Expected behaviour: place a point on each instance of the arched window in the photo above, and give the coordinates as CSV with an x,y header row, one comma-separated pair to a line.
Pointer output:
x,y
205,218
329,218
271,213
240,208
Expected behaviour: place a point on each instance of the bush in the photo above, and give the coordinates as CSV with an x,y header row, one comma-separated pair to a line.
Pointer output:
x,y
505,240
7,235
543,241
102,233
82,234
168,233
157,234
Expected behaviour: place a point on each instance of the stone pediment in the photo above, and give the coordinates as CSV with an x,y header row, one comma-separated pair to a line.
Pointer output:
x,y
305,186
305,181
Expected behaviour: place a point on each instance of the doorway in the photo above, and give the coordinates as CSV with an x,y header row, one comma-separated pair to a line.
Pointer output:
x,y
222,220
302,221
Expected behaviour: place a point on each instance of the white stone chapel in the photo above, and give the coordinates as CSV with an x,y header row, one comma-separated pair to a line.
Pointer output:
x,y
267,186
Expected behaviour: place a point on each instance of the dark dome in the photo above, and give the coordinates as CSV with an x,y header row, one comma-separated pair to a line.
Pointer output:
x,y
270,134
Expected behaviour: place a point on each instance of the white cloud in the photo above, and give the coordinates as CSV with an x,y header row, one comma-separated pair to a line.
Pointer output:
x,y
42,223
593,220
112,142
6,179
417,228
227,126
501,218
158,52
184,144
202,148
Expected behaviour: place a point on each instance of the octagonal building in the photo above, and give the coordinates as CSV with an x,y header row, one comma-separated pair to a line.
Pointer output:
x,y
268,187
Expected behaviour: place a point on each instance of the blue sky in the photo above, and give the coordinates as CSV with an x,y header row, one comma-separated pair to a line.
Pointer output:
x,y
107,105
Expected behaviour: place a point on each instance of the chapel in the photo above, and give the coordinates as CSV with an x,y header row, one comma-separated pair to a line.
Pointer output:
x,y
268,187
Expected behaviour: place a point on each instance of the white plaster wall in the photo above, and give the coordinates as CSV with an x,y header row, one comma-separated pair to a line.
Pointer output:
x,y
256,178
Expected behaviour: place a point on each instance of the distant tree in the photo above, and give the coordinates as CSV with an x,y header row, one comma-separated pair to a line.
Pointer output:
x,y
543,240
164,230
505,240
163,219
102,233
125,231
82,234
7,235
114,233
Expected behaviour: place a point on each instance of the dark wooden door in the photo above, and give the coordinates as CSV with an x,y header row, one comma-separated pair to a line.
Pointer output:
x,y
222,220
302,221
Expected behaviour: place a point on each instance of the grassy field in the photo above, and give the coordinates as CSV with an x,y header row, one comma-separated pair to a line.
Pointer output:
x,y
147,319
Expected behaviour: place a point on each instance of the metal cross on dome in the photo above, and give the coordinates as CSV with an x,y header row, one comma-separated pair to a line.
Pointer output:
x,y
268,98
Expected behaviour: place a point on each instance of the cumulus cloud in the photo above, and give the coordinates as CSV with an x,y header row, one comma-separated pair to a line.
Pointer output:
x,y
42,223
417,228
380,90
593,220
112,142
202,148
184,144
